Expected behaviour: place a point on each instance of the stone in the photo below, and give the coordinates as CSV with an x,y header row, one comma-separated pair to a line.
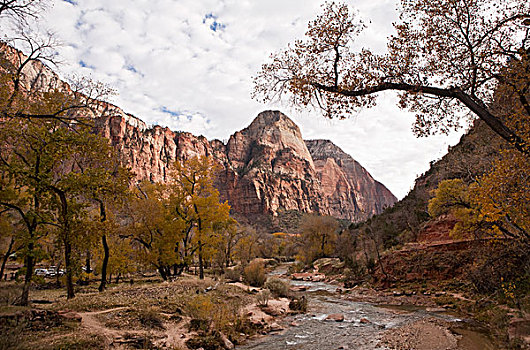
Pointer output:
x,y
301,276
275,327
435,309
70,316
298,288
364,321
318,277
335,317
227,344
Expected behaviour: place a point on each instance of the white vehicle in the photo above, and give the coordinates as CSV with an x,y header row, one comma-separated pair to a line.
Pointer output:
x,y
41,272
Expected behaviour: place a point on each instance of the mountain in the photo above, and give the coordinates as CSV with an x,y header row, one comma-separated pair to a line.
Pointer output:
x,y
350,190
266,168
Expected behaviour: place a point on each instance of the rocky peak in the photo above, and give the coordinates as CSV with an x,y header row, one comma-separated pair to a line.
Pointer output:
x,y
271,130
350,190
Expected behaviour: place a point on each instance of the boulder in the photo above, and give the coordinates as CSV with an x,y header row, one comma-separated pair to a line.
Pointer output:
x,y
335,317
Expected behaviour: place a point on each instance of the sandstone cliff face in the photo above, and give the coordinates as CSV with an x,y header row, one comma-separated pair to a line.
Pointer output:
x,y
350,190
266,167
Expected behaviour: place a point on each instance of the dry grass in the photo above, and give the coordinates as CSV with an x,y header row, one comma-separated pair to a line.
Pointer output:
x,y
146,308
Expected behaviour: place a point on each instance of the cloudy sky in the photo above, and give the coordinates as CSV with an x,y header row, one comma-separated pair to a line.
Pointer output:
x,y
188,64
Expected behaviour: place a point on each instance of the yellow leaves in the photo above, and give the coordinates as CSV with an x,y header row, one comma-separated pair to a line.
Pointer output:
x,y
449,194
496,205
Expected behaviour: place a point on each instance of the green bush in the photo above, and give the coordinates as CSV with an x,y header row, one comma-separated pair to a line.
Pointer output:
x,y
277,287
254,274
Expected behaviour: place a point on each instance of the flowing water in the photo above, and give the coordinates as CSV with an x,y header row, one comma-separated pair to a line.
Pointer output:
x,y
362,328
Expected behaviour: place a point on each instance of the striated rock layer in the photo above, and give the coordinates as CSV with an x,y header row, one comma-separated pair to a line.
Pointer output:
x,y
266,168
351,191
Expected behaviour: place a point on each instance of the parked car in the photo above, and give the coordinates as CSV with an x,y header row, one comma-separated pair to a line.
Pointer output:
x,y
41,272
53,271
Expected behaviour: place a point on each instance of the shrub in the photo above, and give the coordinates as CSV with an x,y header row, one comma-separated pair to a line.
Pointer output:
x,y
9,294
263,297
277,287
233,275
299,305
150,318
200,307
212,341
297,266
254,274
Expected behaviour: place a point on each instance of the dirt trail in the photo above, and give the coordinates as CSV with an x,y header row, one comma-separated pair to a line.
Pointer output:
x,y
174,334
90,322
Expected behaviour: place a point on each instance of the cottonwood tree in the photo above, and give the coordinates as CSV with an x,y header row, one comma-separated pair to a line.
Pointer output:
x,y
151,229
195,202
229,236
446,60
21,9
104,181
87,171
318,237
11,232
26,164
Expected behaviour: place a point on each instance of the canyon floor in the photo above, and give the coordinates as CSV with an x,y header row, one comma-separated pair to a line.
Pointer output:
x,y
152,314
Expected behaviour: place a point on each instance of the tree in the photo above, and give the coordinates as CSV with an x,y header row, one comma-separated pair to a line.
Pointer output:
x,y
10,237
229,236
152,229
104,181
195,202
21,9
26,164
87,171
447,57
319,234
495,206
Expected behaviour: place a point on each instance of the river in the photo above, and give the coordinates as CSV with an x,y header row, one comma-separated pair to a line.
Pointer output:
x,y
363,327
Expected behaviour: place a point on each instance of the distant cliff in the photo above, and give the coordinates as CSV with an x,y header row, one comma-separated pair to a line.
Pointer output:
x,y
266,167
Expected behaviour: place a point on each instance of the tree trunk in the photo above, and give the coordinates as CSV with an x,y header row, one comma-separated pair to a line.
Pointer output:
x,y
69,271
106,251
87,263
6,257
162,272
201,266
28,264
103,283
118,278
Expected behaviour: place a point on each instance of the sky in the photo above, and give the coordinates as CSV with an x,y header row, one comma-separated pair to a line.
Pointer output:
x,y
189,64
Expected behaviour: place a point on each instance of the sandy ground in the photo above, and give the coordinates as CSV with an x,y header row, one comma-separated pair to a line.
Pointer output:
x,y
426,334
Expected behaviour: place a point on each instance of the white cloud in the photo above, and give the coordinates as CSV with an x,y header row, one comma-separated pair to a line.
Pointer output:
x,y
165,55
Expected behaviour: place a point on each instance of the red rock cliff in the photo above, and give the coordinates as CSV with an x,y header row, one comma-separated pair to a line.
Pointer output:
x,y
266,167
